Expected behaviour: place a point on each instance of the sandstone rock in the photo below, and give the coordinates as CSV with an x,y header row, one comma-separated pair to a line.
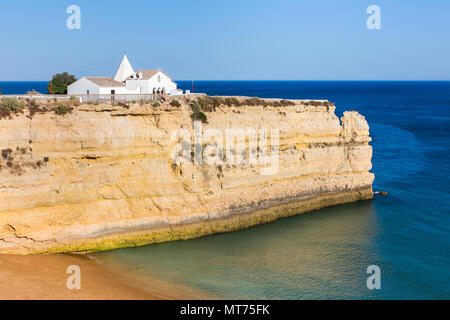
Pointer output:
x,y
103,177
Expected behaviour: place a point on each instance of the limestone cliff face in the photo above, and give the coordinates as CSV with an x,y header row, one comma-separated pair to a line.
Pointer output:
x,y
103,177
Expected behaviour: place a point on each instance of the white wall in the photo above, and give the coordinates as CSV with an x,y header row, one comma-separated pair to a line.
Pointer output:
x,y
137,86
81,86
118,90
165,82
146,86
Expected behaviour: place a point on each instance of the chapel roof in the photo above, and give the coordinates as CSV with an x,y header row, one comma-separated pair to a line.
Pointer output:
x,y
105,82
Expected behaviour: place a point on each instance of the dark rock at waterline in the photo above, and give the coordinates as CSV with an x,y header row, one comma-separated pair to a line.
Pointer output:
x,y
378,194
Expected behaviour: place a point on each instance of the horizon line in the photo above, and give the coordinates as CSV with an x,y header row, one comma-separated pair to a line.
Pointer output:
x,y
298,80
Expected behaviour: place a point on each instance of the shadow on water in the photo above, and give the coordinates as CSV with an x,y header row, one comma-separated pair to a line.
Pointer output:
x,y
318,255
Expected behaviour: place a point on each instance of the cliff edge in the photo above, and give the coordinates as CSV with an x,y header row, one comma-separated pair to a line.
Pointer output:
x,y
104,176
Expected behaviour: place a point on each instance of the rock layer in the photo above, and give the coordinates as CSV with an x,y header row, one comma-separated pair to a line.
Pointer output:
x,y
102,177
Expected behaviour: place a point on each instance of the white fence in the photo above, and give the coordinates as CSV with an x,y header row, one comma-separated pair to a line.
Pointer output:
x,y
118,97
36,96
96,98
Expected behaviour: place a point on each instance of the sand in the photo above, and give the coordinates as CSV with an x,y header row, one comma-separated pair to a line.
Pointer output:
x,y
44,277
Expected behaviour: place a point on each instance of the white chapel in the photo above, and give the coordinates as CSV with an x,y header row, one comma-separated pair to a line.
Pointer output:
x,y
126,81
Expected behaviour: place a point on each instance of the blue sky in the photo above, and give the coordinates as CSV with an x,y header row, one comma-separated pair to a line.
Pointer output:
x,y
228,40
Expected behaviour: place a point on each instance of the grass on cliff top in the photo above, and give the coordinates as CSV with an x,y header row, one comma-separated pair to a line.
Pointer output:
x,y
10,106
209,104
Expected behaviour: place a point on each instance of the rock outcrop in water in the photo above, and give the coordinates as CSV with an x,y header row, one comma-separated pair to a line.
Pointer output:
x,y
102,176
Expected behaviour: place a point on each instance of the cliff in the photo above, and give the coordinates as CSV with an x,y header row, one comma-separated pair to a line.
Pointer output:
x,y
104,176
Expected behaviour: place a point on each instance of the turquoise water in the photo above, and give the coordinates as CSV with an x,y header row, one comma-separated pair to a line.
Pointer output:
x,y
325,254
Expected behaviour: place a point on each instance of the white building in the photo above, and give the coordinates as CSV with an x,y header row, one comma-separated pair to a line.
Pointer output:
x,y
126,81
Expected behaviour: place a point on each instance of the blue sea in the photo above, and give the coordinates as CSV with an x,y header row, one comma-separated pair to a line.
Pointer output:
x,y
325,254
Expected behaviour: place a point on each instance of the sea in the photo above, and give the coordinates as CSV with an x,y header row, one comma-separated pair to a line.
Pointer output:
x,y
326,254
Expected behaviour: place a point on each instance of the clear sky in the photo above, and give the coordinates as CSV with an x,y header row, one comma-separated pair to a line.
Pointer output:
x,y
228,39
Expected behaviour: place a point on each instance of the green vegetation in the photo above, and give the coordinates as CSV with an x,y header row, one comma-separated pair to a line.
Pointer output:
x,y
10,105
175,103
209,104
232,102
156,104
197,114
319,103
33,108
62,110
59,83
74,101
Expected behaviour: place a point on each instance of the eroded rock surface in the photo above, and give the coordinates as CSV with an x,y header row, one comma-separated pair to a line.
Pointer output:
x,y
102,177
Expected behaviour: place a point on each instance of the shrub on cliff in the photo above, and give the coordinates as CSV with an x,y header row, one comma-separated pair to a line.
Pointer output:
x,y
123,105
62,110
210,104
73,101
232,102
197,114
254,101
175,103
287,103
207,103
59,83
319,103
195,107
201,117
156,104
34,107
10,105
217,101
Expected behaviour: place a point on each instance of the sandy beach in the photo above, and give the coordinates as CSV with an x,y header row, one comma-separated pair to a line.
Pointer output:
x,y
44,277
